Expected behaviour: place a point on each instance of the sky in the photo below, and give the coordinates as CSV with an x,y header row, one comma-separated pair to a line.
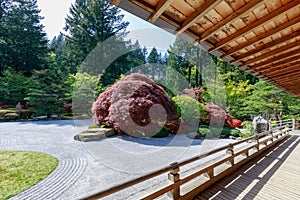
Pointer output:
x,y
55,12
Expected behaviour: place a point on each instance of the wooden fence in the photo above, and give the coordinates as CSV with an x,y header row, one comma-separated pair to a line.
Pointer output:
x,y
187,184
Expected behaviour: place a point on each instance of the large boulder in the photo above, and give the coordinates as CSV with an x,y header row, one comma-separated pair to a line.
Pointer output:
x,y
137,106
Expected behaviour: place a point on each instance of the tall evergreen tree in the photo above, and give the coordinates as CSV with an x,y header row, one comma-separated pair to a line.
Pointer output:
x,y
23,43
90,22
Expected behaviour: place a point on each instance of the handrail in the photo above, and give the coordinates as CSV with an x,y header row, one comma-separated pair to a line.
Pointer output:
x,y
173,168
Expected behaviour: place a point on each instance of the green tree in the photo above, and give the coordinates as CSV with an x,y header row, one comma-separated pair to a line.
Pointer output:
x,y
83,92
22,36
14,87
89,23
263,99
155,61
48,93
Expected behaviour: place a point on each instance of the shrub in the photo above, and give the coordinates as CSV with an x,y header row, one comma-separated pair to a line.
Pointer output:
x,y
93,126
216,115
162,133
205,133
226,131
235,133
189,108
248,129
127,105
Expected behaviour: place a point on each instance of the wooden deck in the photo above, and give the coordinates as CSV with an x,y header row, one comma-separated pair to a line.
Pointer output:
x,y
275,174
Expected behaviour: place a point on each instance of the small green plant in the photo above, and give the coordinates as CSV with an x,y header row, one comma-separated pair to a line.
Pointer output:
x,y
162,133
205,132
235,133
248,129
93,126
189,108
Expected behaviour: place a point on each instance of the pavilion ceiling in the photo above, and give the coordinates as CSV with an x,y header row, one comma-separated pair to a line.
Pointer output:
x,y
259,36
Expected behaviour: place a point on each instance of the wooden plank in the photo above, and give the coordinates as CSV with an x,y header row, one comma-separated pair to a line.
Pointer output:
x,y
116,2
272,53
261,37
287,77
262,21
273,60
291,71
200,12
160,8
267,46
278,65
290,67
232,17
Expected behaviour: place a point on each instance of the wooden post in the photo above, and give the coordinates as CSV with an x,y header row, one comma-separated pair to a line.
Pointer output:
x,y
230,152
294,124
257,142
272,136
174,177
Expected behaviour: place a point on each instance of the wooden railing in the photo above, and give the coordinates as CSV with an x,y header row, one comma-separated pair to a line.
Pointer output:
x,y
187,184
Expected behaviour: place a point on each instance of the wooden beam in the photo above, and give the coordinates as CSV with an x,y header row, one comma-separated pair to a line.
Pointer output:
x,y
272,53
261,37
262,21
267,46
160,8
200,12
273,60
290,68
116,2
231,18
279,65
289,76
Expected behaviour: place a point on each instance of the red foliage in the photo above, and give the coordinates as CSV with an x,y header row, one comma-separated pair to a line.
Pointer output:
x,y
216,115
5,106
236,123
136,105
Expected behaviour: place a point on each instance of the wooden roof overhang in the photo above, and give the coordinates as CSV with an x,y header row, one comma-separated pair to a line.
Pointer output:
x,y
259,36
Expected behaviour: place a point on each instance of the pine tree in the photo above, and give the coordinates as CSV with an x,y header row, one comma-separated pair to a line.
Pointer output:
x,y
48,93
90,22
22,36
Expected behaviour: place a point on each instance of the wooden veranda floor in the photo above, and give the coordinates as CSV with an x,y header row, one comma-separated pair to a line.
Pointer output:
x,y
273,175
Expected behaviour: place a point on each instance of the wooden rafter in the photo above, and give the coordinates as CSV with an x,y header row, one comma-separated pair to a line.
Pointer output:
x,y
289,68
275,59
116,2
261,37
280,64
267,46
288,77
262,21
232,17
200,12
160,8
272,53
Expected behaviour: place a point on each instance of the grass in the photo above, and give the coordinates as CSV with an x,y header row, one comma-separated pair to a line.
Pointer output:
x,y
19,170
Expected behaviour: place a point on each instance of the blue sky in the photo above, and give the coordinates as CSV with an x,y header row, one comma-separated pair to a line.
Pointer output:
x,y
55,12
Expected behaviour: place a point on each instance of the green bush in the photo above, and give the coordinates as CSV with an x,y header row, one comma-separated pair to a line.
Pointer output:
x,y
93,126
189,108
203,126
205,133
249,129
162,133
235,132
226,131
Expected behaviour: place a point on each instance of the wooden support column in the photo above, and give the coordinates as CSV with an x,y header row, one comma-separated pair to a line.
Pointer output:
x,y
174,177
230,152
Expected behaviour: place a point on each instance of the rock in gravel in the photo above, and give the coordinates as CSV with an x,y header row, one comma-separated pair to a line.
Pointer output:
x,y
95,134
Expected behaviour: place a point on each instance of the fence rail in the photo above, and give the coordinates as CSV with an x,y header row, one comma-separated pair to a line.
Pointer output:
x,y
227,159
